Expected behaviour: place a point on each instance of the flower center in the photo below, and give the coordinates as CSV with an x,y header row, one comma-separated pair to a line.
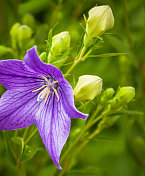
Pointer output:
x,y
50,85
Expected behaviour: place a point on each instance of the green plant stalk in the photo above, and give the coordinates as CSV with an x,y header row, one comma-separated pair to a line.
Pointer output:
x,y
90,123
76,62
80,148
26,132
28,139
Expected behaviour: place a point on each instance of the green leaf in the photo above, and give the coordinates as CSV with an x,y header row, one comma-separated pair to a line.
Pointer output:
x,y
28,153
127,112
18,140
108,55
5,50
48,43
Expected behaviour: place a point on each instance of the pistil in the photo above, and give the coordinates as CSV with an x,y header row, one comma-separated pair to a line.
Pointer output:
x,y
46,91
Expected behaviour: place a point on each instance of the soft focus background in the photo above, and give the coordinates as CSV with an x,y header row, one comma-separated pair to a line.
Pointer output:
x,y
118,150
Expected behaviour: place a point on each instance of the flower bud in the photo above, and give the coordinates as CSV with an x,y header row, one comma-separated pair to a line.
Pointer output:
x,y
43,56
100,20
24,36
123,96
59,48
107,95
88,87
28,19
13,34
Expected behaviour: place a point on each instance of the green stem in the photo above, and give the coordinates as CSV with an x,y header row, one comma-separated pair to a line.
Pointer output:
x,y
33,133
26,132
80,148
76,62
130,41
90,123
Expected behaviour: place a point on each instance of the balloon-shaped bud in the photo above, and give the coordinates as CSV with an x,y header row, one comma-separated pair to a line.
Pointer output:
x,y
59,49
88,87
123,96
100,20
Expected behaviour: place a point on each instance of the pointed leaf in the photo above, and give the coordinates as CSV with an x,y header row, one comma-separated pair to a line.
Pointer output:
x,y
28,153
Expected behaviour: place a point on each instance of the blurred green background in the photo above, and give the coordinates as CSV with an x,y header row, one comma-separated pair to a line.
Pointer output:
x,y
119,150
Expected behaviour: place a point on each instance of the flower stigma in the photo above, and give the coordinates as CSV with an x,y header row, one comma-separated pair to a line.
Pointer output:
x,y
50,85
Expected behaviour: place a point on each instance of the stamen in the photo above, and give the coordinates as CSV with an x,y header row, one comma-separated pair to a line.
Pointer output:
x,y
39,88
54,82
56,93
45,79
47,96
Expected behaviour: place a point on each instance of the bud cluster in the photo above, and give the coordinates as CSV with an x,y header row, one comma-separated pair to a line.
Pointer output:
x,y
21,36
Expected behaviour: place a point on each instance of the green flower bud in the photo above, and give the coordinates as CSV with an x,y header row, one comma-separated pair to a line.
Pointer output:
x,y
28,19
24,36
59,48
13,34
107,95
100,20
43,56
60,43
123,96
88,87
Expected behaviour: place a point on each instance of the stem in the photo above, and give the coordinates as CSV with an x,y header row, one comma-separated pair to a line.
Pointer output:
x,y
26,132
76,62
90,123
80,148
130,41
33,133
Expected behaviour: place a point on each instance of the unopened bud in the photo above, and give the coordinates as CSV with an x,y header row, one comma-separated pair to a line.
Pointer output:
x,y
88,87
100,20
123,96
24,36
28,19
43,56
14,34
59,48
107,95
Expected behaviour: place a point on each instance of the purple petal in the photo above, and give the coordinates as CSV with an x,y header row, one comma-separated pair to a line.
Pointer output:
x,y
17,109
33,61
15,74
67,96
54,126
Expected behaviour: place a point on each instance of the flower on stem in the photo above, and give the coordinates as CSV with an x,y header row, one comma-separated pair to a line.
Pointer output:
x,y
37,93
88,87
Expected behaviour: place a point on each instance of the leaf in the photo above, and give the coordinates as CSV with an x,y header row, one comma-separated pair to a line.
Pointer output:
x,y
48,43
28,153
107,55
127,112
20,141
5,50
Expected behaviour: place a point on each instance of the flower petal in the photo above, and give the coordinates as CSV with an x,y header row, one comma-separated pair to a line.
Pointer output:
x,y
33,61
15,74
54,126
67,97
17,109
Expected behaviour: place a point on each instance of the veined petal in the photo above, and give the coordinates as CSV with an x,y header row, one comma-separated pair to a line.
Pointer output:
x,y
67,97
17,109
15,74
33,61
54,126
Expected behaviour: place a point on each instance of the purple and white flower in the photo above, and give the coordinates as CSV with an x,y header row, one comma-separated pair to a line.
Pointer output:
x,y
37,93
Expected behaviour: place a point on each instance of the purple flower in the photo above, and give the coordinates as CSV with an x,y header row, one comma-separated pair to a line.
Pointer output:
x,y
37,93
